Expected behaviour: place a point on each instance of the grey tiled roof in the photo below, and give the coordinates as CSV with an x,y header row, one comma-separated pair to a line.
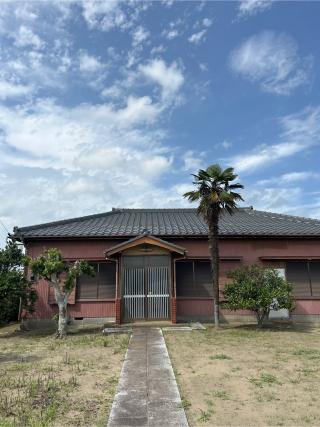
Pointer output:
x,y
173,222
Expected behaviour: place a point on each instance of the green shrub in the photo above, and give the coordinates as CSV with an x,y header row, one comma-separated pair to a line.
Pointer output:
x,y
13,284
258,289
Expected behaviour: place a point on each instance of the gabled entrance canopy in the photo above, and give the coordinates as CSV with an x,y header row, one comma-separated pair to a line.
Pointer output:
x,y
145,239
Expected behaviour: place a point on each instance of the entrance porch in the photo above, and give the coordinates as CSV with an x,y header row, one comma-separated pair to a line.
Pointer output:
x,y
145,288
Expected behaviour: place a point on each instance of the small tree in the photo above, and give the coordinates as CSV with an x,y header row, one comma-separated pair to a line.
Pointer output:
x,y
258,289
15,290
62,276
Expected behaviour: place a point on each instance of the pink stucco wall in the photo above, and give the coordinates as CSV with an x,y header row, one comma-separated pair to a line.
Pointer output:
x,y
44,310
248,250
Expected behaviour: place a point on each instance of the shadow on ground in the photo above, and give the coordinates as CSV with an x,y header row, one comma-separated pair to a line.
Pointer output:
x,y
276,327
17,357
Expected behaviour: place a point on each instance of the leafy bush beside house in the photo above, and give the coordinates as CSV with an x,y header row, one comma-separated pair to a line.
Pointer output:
x,y
14,286
258,289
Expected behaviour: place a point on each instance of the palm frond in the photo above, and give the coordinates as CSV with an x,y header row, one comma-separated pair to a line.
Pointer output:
x,y
236,196
235,186
226,197
192,196
230,209
214,171
215,191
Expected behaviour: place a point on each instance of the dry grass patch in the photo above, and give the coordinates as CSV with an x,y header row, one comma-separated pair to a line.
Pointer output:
x,y
241,376
49,382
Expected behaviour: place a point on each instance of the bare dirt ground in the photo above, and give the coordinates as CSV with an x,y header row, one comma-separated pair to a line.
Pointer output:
x,y
241,376
49,382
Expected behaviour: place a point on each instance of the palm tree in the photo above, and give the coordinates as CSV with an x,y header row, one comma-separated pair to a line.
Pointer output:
x,y
215,195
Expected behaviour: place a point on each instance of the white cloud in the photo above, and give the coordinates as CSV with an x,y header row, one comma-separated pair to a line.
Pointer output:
x,y
156,165
170,34
65,63
114,91
72,156
271,59
92,156
298,132
282,200
169,77
252,7
26,37
196,38
102,14
193,160
203,67
109,14
266,154
138,110
83,185
12,90
298,176
226,144
157,49
207,22
89,63
24,11
65,131
167,3
174,29
290,178
139,36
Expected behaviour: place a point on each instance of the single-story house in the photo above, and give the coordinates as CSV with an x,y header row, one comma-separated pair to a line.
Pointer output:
x,y
154,263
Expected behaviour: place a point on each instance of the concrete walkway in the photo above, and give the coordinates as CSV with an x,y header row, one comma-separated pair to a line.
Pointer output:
x,y
147,393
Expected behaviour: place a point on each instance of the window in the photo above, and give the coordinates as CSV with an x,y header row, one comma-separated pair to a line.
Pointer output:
x,y
305,278
101,286
193,279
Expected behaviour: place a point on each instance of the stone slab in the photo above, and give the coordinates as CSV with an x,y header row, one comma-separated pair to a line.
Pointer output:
x,y
198,326
193,327
147,393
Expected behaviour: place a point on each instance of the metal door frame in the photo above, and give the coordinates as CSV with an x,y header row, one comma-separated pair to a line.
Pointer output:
x,y
169,285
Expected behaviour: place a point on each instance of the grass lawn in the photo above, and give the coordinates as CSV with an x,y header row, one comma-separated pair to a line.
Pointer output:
x,y
49,382
240,376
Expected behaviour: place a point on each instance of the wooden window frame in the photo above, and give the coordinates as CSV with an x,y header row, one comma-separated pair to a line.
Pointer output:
x,y
97,299
192,260
202,258
304,297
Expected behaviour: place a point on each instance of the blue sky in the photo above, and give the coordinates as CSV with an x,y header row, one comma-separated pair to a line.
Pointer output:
x,y
114,104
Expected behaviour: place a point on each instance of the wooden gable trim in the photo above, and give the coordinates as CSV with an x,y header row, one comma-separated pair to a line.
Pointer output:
x,y
145,239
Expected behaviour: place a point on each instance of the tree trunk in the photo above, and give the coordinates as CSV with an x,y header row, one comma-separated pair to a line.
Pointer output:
x,y
62,301
261,316
214,254
62,323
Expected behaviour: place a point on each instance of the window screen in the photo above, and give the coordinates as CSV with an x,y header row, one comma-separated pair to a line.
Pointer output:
x,y
298,273
305,278
107,280
184,278
101,286
203,278
193,279
314,268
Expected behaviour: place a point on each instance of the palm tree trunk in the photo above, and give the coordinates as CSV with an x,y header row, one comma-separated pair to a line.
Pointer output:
x,y
214,254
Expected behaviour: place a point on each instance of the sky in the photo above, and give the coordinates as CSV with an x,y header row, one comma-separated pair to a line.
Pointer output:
x,y
116,103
